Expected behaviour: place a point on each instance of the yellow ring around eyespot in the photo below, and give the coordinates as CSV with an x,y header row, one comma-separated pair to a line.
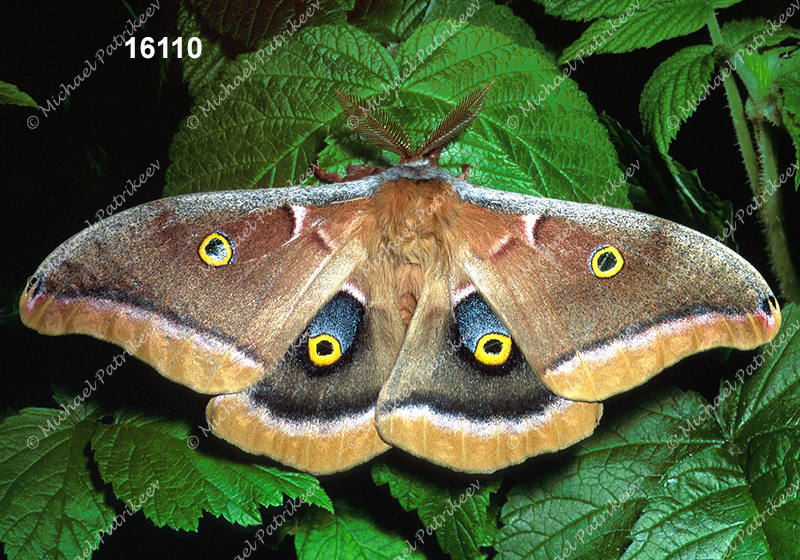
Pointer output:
x,y
324,359
613,270
490,358
207,258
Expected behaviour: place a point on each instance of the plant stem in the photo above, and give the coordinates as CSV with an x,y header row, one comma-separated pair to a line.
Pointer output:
x,y
771,214
737,113
759,172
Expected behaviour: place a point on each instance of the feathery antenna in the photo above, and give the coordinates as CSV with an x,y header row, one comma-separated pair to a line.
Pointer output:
x,y
380,128
375,125
456,121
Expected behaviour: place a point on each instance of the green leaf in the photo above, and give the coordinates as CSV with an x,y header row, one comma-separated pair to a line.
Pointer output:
x,y
486,14
588,10
759,59
788,84
770,396
267,116
388,22
254,137
697,512
49,506
672,191
773,466
137,453
703,209
585,11
590,505
10,95
200,72
244,25
555,148
349,535
674,91
637,24
757,33
757,75
458,514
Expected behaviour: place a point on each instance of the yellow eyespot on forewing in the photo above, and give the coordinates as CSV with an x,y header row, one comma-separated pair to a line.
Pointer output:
x,y
216,250
493,349
607,262
324,350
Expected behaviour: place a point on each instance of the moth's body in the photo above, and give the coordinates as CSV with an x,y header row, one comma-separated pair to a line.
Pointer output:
x,y
411,226
471,327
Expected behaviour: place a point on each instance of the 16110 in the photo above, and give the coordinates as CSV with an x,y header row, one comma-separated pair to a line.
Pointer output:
x,y
147,47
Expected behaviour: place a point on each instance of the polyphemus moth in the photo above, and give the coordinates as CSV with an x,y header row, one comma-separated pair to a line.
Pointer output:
x,y
471,327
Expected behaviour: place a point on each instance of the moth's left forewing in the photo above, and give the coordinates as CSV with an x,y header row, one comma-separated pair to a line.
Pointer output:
x,y
137,279
633,293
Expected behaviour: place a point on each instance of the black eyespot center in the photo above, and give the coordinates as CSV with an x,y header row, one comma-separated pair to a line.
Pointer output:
x,y
216,249
324,348
606,261
493,346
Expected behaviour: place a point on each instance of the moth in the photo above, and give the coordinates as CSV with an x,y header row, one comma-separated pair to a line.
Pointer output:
x,y
471,327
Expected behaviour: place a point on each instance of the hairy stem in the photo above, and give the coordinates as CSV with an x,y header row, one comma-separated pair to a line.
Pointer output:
x,y
771,215
761,171
737,114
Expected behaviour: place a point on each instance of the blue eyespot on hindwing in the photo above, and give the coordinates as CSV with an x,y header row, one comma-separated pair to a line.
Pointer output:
x,y
482,333
334,331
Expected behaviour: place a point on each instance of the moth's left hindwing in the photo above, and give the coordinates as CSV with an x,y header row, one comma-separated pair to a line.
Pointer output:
x,y
314,409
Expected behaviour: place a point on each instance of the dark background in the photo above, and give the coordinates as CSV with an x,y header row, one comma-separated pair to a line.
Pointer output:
x,y
122,118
